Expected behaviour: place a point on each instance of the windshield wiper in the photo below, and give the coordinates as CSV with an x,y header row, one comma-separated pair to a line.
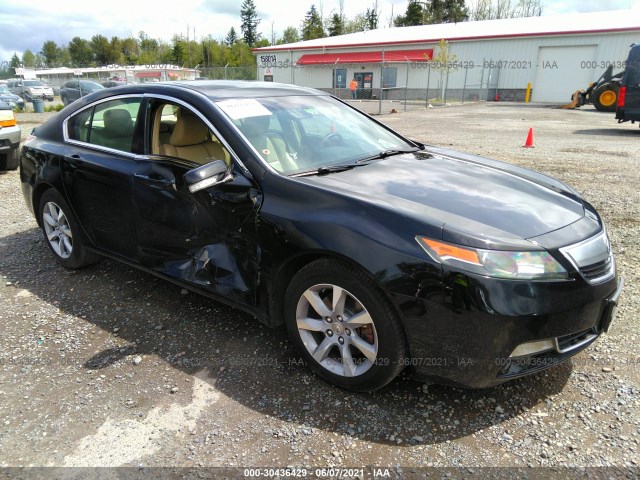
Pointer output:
x,y
328,169
385,154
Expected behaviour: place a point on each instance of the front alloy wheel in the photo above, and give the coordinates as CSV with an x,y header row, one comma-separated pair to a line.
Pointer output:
x,y
343,325
337,330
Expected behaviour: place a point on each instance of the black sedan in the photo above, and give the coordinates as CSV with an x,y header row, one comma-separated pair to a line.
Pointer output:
x,y
377,252
74,89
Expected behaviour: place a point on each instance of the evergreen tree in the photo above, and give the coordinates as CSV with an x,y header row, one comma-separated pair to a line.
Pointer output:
x,y
50,52
415,15
80,52
336,27
15,61
28,59
312,25
231,37
250,21
371,16
455,11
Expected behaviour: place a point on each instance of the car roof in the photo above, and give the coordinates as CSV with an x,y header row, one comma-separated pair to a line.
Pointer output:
x,y
221,89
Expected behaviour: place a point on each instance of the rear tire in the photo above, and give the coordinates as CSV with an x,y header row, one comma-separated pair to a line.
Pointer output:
x,y
605,97
62,233
10,160
344,327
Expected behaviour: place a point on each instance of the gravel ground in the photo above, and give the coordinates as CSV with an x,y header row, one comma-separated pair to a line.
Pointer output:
x,y
109,366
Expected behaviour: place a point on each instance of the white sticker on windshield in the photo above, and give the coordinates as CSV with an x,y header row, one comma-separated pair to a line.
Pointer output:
x,y
243,108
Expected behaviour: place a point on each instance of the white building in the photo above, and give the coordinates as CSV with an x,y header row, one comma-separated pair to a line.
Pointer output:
x,y
555,54
131,73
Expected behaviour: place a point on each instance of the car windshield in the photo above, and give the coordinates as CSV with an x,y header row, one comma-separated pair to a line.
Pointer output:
x,y
91,86
32,83
4,89
304,133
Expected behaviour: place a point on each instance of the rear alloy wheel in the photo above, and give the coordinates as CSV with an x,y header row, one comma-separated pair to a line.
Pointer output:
x,y
343,326
605,98
61,232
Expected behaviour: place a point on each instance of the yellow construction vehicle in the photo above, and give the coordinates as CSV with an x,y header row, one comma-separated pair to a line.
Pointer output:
x,y
603,93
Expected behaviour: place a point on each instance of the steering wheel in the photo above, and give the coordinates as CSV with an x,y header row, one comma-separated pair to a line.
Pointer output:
x,y
332,138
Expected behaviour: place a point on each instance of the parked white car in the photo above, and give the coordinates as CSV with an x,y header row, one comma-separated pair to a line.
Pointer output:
x,y
30,89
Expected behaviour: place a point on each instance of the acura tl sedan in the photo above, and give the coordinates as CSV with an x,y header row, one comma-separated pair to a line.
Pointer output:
x,y
376,252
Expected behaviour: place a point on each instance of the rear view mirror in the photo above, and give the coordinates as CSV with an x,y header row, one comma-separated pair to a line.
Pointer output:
x,y
207,176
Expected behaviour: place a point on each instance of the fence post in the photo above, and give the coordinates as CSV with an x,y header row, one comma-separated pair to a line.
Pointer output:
x,y
426,102
406,86
446,87
481,80
464,87
381,85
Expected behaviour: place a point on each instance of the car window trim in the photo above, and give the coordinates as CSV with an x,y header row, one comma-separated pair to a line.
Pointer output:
x,y
202,117
65,131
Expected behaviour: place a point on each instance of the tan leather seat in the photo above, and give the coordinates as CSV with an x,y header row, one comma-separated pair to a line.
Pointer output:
x,y
118,129
191,140
272,148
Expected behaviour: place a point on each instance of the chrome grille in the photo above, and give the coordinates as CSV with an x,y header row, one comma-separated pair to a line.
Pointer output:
x,y
593,258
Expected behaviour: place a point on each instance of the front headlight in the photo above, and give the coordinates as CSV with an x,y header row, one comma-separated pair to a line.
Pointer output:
x,y
531,265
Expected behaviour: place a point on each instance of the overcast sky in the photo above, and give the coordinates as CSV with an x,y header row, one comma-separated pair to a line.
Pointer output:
x,y
27,24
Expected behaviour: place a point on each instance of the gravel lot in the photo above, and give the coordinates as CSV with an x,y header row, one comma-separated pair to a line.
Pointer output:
x,y
109,366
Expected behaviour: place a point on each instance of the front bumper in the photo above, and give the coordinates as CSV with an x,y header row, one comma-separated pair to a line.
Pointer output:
x,y
9,138
468,336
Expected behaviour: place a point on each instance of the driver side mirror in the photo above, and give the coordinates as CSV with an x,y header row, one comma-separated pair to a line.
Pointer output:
x,y
208,175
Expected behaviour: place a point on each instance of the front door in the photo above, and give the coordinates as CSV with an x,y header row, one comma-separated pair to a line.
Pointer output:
x,y
207,238
365,84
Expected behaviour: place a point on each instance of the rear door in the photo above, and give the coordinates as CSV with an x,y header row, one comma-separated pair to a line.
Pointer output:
x,y
97,169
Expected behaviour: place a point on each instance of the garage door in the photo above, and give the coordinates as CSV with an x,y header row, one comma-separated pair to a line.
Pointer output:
x,y
560,72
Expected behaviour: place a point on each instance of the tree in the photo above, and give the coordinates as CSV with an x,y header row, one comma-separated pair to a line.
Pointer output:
x,y
496,9
15,61
80,52
28,59
101,49
50,52
415,15
290,35
312,25
434,12
231,37
372,15
336,27
455,11
130,50
250,21
178,54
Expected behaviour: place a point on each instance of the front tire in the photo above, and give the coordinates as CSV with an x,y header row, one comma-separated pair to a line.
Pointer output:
x,y
62,233
343,326
10,160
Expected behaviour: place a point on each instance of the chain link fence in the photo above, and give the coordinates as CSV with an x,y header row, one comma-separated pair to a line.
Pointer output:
x,y
423,85
229,73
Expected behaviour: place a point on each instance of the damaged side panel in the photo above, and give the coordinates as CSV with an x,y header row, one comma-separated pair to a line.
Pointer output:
x,y
207,238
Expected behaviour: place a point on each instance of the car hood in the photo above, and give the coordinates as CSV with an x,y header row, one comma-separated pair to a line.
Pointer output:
x,y
477,201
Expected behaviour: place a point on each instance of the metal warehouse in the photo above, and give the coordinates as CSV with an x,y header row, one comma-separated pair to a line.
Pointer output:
x,y
546,57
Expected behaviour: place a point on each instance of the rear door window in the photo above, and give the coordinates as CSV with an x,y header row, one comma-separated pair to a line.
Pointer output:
x,y
109,124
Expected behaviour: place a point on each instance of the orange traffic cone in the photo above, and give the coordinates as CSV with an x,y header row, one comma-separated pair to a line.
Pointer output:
x,y
529,142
